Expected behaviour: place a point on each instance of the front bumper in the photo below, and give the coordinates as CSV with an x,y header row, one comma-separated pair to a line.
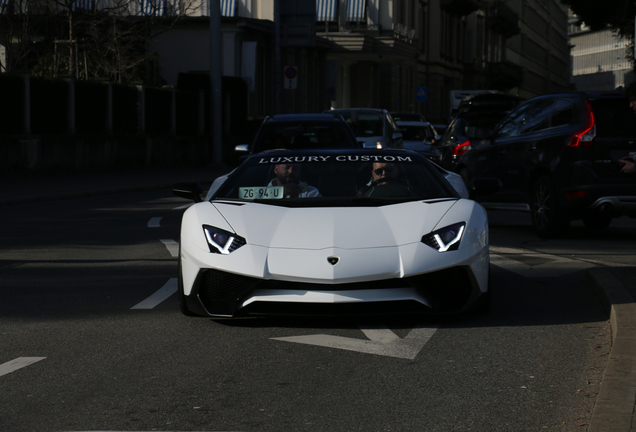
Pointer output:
x,y
220,293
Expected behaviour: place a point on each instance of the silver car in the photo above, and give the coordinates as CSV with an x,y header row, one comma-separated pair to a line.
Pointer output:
x,y
374,128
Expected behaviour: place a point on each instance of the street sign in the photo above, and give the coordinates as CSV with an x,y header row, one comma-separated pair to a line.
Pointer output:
x,y
290,77
420,94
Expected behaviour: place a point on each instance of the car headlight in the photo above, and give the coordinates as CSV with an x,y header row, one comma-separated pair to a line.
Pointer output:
x,y
379,145
445,239
221,241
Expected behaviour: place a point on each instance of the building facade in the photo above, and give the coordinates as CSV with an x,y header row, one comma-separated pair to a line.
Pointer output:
x,y
600,59
401,55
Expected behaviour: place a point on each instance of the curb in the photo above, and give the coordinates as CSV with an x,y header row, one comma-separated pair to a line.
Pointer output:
x,y
614,407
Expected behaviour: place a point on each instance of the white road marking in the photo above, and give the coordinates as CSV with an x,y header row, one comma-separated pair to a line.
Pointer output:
x,y
382,341
166,291
18,363
154,222
172,246
519,261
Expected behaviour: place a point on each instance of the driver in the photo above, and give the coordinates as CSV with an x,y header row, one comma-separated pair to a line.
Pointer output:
x,y
288,176
383,171
385,182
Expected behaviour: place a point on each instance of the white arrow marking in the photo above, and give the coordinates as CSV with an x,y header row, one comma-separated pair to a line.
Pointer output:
x,y
154,222
166,291
513,260
172,246
382,341
18,363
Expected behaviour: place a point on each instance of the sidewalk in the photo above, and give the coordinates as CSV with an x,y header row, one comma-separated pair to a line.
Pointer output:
x,y
616,286
23,189
616,401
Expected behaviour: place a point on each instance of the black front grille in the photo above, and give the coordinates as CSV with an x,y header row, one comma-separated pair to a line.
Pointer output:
x,y
222,286
447,290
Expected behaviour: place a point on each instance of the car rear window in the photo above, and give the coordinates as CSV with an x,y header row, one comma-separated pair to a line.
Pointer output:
x,y
303,135
614,117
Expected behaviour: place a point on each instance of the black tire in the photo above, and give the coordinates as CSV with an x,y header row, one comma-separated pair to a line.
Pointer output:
x,y
182,302
597,221
547,218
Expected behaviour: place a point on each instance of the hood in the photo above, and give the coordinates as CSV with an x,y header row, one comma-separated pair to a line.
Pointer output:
x,y
328,227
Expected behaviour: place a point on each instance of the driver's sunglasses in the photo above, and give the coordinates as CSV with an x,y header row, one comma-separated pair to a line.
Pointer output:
x,y
388,170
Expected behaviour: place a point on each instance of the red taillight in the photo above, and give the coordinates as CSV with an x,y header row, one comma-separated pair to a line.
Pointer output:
x,y
462,148
584,137
576,194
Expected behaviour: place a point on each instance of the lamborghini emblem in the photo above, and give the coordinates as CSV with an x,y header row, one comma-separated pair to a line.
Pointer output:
x,y
333,260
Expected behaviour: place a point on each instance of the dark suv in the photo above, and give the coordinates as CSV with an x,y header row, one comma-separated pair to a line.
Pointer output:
x,y
475,120
301,131
557,156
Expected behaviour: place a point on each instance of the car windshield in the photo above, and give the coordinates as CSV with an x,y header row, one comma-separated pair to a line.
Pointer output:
x,y
304,134
364,123
335,179
415,133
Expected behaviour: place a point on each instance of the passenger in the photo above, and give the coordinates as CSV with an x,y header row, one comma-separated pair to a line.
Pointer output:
x,y
288,176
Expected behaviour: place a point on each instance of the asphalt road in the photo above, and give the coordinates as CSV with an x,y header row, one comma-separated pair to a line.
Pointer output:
x,y
91,338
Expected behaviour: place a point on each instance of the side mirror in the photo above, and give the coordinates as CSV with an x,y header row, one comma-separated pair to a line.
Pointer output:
x,y
483,186
242,148
188,190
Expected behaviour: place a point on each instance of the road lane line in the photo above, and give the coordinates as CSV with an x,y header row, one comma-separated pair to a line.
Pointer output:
x,y
380,334
172,246
166,291
18,363
154,222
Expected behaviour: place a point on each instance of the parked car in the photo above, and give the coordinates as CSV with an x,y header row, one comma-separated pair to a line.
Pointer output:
x,y
263,246
477,117
440,128
557,156
489,100
408,116
297,131
374,128
420,137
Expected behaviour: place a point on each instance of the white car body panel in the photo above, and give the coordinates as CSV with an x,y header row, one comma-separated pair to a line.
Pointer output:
x,y
293,244
423,247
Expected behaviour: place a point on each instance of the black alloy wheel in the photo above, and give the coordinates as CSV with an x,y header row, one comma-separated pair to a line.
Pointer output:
x,y
547,218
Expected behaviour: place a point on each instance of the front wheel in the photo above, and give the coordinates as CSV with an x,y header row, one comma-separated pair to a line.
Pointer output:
x,y
547,218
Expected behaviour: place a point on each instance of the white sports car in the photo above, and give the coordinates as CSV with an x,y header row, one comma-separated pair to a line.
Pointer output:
x,y
324,232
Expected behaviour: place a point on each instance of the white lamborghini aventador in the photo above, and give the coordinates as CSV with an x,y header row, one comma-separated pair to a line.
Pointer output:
x,y
325,232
